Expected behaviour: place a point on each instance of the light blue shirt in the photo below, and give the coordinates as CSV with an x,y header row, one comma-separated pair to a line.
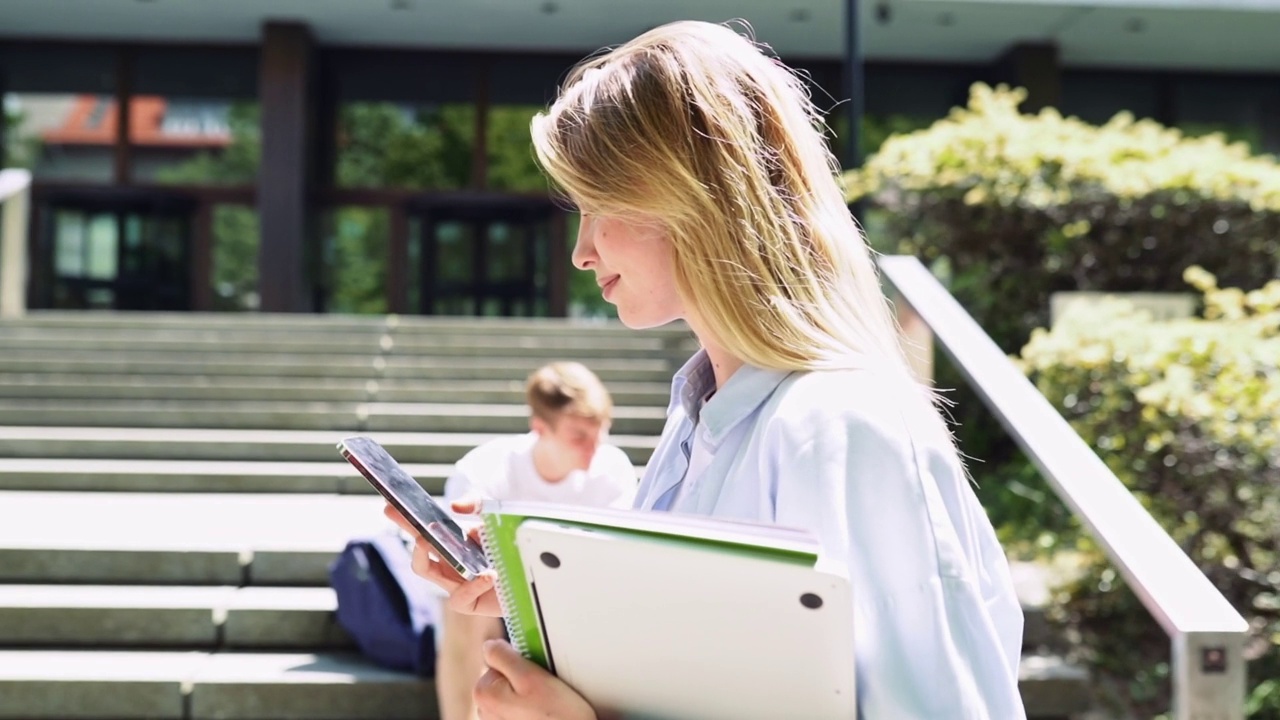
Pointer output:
x,y
852,456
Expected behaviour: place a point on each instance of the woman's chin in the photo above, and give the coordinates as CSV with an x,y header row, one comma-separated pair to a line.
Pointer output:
x,y
642,321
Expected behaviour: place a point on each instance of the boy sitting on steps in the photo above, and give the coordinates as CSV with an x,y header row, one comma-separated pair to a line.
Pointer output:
x,y
563,459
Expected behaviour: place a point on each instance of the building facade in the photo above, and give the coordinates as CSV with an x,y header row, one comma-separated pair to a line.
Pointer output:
x,y
370,156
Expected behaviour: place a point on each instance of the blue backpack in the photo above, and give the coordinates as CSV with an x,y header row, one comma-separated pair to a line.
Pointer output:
x,y
384,606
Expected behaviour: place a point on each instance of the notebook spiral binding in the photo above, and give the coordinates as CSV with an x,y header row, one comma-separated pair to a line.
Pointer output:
x,y
497,561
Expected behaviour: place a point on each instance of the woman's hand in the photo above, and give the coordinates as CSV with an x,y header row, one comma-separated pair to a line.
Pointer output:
x,y
514,688
469,597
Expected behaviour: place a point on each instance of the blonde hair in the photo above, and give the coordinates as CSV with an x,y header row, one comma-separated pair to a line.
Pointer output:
x,y
691,124
567,388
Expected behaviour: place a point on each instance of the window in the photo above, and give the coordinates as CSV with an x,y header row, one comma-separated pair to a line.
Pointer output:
x,y
61,136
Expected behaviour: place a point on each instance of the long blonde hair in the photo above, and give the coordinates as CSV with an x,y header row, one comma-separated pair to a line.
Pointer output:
x,y
692,124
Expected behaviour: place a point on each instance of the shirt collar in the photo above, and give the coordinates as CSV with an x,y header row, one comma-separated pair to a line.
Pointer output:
x,y
746,390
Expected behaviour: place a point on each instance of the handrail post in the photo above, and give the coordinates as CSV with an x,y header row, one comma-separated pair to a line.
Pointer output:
x,y
15,189
1208,676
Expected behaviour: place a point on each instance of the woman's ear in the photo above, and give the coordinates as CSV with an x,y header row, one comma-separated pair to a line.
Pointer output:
x,y
539,426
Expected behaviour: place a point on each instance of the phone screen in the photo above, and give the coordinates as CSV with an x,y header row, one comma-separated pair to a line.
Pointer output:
x,y
406,495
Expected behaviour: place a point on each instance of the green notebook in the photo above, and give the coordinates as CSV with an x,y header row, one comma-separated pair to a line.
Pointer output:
x,y
668,615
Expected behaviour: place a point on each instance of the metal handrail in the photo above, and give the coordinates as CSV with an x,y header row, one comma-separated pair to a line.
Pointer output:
x,y
1207,633
15,197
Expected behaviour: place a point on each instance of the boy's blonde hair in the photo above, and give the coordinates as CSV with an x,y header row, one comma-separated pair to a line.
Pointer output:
x,y
567,388
692,125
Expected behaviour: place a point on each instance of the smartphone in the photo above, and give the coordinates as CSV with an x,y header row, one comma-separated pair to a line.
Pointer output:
x,y
404,493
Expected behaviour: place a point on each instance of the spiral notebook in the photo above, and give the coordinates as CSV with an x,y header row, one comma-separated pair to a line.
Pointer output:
x,y
661,615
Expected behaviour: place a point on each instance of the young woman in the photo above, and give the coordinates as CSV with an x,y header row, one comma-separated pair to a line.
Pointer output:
x,y
708,194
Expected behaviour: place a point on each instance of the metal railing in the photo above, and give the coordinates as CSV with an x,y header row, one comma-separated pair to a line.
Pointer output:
x,y
1207,633
15,198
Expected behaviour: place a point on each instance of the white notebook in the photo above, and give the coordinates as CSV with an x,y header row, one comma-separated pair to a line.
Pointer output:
x,y
732,622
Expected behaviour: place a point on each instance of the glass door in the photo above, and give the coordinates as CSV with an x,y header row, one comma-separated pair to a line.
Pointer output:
x,y
117,258
488,261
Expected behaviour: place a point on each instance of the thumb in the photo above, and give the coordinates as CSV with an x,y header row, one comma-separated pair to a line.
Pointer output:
x,y
502,658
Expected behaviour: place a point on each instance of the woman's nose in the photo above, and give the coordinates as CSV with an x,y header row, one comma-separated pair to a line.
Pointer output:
x,y
584,251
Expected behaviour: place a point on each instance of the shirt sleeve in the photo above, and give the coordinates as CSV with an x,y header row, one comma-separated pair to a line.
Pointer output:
x,y
625,479
483,471
937,627
456,486
616,477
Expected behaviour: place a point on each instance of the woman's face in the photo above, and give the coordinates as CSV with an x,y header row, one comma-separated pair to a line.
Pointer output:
x,y
634,266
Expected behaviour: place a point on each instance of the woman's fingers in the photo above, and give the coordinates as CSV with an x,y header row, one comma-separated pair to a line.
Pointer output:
x,y
476,597
427,563
473,597
394,516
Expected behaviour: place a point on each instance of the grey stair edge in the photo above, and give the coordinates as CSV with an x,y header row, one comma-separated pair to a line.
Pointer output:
x,y
312,407
1030,669
377,370
56,378
264,468
31,662
1053,687
89,475
65,318
286,362
201,685
359,419
218,538
276,343
242,444
23,432
209,616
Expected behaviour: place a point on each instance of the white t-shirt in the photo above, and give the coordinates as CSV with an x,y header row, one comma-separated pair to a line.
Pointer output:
x,y
503,469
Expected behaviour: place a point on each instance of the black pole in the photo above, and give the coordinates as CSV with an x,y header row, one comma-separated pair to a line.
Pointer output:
x,y
855,90
854,86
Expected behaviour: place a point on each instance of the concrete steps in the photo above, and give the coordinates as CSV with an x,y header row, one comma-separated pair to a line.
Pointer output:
x,y
50,386
370,367
222,444
226,617
200,476
301,415
326,344
121,538
171,498
191,685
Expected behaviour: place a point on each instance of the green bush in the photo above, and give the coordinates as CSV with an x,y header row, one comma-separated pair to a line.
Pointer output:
x,y
1009,208
1187,414
1020,206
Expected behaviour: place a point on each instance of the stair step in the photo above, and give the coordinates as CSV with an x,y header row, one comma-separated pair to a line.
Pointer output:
x,y
624,393
283,415
179,539
55,386
277,445
1034,582
118,685
547,347
122,685
334,323
60,386
203,476
367,367
219,476
1052,687
190,617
